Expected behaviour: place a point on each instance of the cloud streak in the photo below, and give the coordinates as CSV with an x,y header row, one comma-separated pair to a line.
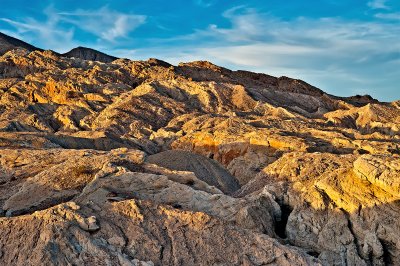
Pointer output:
x,y
205,3
48,30
388,16
378,4
57,30
339,56
104,23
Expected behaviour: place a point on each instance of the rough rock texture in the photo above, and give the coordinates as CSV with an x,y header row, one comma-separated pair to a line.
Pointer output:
x,y
342,207
133,232
144,163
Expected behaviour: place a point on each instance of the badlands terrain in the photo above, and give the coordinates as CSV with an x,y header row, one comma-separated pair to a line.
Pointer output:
x,y
107,161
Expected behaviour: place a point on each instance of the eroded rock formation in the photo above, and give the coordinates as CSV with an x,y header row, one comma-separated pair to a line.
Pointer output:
x,y
144,163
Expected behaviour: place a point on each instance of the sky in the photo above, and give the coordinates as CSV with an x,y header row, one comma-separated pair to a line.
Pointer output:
x,y
344,47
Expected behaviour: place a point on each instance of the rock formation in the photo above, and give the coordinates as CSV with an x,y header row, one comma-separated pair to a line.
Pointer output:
x,y
121,162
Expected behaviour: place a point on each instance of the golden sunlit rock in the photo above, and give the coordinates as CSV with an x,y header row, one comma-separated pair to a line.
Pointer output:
x,y
120,162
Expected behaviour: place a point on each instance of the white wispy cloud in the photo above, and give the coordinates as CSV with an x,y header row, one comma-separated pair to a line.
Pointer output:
x,y
205,3
389,16
56,31
343,57
47,30
104,23
378,4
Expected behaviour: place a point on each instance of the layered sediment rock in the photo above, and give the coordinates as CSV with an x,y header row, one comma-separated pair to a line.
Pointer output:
x,y
145,163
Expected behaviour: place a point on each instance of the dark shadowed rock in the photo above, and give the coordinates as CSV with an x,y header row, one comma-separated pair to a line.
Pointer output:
x,y
8,43
90,54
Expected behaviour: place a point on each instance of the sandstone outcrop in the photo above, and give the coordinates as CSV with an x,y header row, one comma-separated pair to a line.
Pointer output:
x,y
107,161
137,233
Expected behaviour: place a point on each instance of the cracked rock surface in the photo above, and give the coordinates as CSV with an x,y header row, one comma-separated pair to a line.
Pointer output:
x,y
144,163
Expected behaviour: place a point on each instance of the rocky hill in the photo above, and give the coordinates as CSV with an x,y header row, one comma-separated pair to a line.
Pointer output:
x,y
8,43
89,54
126,162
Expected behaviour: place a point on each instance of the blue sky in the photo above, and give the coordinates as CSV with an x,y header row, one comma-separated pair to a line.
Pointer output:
x,y
344,47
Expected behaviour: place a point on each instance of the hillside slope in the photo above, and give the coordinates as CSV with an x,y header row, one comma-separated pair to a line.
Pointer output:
x,y
142,162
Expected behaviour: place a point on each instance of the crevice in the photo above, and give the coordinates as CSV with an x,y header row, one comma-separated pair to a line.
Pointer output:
x,y
177,206
387,256
280,226
125,249
161,257
48,203
350,227
325,197
313,253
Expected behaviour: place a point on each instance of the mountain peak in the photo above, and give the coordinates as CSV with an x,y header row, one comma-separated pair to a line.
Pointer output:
x,y
8,43
89,54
